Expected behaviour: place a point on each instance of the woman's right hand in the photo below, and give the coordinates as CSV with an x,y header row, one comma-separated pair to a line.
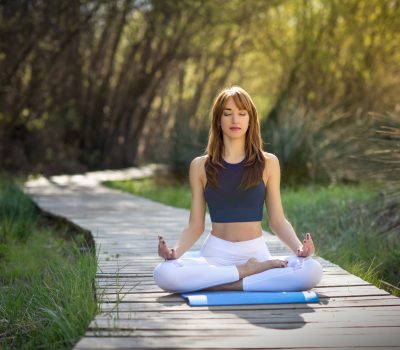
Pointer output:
x,y
164,251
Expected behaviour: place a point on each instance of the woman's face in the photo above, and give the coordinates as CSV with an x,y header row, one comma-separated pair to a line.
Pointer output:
x,y
234,121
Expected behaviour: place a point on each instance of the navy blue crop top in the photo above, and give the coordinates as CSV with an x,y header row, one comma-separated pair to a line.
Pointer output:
x,y
227,204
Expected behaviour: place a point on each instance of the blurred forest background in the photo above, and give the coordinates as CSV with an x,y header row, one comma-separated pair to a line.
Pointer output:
x,y
108,84
95,84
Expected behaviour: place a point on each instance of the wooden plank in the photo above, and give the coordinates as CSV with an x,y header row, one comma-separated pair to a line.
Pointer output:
x,y
295,338
246,324
261,331
207,313
176,306
328,292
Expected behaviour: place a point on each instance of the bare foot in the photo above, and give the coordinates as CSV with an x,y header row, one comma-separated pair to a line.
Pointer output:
x,y
253,266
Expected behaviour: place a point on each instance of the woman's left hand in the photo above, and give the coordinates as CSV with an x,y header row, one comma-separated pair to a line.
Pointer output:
x,y
308,248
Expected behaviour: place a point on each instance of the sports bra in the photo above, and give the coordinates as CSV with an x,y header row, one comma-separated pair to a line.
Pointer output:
x,y
227,204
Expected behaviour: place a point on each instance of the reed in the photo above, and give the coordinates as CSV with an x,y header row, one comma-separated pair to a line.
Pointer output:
x,y
47,298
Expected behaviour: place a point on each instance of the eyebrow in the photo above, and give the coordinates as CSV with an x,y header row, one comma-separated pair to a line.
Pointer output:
x,y
228,109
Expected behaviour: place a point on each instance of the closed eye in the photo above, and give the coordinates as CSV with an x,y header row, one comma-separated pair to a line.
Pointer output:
x,y
228,114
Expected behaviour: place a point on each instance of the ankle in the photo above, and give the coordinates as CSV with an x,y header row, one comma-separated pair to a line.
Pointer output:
x,y
243,271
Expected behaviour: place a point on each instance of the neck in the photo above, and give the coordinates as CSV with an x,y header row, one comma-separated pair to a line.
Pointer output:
x,y
233,150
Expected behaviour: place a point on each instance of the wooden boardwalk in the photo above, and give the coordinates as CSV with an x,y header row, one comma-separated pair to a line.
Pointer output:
x,y
135,313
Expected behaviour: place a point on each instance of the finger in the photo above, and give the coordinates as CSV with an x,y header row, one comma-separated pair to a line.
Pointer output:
x,y
164,251
162,254
302,251
173,253
310,246
307,251
162,242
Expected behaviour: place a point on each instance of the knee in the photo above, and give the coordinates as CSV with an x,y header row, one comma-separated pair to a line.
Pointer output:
x,y
165,276
313,271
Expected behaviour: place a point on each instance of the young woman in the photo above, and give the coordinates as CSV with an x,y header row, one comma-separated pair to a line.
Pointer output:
x,y
235,177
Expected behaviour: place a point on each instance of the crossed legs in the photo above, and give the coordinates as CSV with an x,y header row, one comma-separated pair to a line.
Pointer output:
x,y
190,274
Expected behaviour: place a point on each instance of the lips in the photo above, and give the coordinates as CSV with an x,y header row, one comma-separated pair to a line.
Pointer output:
x,y
234,128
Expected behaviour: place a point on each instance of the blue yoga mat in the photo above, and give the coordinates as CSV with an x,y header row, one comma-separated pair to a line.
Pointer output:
x,y
247,298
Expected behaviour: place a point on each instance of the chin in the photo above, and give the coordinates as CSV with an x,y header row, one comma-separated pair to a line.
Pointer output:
x,y
236,135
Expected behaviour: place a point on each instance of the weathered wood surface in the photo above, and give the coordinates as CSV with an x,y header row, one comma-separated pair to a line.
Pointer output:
x,y
135,313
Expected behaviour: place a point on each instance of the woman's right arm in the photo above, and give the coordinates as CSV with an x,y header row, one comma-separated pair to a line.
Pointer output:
x,y
195,227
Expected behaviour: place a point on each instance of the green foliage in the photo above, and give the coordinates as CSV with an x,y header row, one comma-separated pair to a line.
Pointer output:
x,y
379,160
174,195
187,143
136,82
345,227
47,297
17,212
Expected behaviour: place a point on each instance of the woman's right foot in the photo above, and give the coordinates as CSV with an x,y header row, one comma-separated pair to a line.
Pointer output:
x,y
253,266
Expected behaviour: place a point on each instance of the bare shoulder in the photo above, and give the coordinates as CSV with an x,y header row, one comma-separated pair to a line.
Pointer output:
x,y
199,162
271,160
271,165
198,167
270,157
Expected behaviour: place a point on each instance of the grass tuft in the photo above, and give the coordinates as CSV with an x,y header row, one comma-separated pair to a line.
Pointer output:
x,y
47,298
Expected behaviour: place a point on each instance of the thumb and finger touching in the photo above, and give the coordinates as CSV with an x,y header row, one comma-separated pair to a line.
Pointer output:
x,y
164,251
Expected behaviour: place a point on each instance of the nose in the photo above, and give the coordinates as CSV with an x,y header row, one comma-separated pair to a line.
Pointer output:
x,y
235,118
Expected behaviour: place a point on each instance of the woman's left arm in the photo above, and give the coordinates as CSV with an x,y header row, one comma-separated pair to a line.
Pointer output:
x,y
276,217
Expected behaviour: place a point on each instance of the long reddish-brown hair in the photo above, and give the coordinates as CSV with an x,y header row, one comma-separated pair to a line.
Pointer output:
x,y
254,157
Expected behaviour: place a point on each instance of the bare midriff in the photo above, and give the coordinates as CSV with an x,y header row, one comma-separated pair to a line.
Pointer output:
x,y
237,231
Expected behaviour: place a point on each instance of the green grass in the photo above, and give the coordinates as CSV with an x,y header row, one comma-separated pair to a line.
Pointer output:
x,y
344,223
174,195
342,219
47,298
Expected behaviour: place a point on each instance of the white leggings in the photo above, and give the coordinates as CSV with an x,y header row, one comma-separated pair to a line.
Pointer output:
x,y
217,263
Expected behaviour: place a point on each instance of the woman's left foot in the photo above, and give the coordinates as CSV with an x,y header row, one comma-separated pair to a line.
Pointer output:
x,y
253,266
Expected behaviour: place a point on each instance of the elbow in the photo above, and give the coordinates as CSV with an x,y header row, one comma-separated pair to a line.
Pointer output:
x,y
272,226
197,229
